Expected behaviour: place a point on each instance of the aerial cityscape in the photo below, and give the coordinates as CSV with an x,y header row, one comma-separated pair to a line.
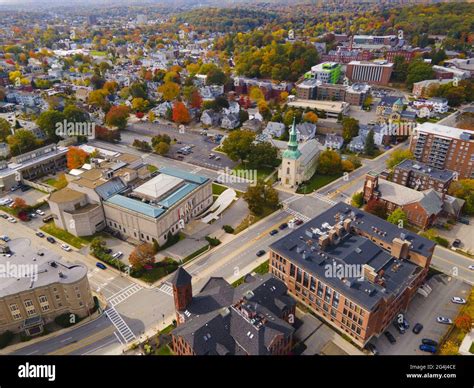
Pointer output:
x,y
279,178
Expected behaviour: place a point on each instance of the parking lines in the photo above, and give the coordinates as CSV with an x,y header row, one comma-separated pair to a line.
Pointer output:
x,y
123,295
120,325
167,289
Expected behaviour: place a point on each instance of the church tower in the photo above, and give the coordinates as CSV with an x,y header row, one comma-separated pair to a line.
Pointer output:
x,y
288,172
182,291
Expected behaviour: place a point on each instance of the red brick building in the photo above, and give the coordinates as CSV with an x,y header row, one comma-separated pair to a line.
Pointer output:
x,y
444,148
353,269
375,73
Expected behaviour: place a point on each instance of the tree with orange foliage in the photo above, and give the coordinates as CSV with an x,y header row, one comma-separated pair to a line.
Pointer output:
x,y
142,255
196,100
19,204
117,116
180,113
463,322
76,157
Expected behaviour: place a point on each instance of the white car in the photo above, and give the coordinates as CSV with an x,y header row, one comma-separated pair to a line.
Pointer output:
x,y
117,255
458,300
11,219
40,212
444,320
66,247
471,267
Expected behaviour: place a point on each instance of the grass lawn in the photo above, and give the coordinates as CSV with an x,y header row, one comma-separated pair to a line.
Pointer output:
x,y
261,270
262,173
218,189
471,349
316,182
53,230
160,270
168,329
51,182
251,219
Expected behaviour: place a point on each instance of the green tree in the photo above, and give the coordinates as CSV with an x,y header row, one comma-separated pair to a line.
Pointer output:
x,y
397,156
398,217
238,145
329,163
418,70
263,155
400,69
22,141
5,129
369,146
260,197
162,148
357,199
464,189
47,122
350,128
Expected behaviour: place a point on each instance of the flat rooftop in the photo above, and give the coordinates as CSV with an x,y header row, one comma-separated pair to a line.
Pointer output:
x,y
302,247
444,130
158,186
422,168
327,106
25,270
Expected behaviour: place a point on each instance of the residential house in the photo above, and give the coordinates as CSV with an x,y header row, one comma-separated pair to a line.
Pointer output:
x,y
333,141
210,118
274,129
306,131
230,121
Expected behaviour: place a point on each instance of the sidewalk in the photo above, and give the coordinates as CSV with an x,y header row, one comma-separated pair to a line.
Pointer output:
x,y
466,344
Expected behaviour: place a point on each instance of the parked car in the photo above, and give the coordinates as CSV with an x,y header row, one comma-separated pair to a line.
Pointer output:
x,y
464,220
100,265
471,267
117,255
372,349
273,232
48,218
108,250
51,239
399,326
390,337
39,253
456,243
298,222
458,300
40,234
12,220
66,247
5,238
260,253
428,348
417,328
283,226
444,320
40,212
4,216
427,341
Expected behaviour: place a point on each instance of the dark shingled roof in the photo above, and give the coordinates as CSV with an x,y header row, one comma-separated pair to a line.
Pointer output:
x,y
213,326
181,277
302,247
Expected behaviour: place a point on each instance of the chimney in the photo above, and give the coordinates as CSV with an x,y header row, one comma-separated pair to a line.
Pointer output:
x,y
369,273
332,236
339,229
399,248
323,241
347,225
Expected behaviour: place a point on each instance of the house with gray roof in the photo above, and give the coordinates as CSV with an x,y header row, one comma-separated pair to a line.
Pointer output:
x,y
251,319
274,129
306,131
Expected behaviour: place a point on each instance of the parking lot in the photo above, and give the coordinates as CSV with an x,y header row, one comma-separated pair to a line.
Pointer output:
x,y
425,310
201,145
462,232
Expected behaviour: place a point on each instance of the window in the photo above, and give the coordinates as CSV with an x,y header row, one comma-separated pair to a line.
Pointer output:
x,y
298,275
312,284
327,295
320,289
292,270
305,280
335,299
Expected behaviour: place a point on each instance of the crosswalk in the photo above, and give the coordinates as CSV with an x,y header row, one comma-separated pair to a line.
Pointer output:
x,y
167,289
298,215
125,332
291,199
323,198
124,294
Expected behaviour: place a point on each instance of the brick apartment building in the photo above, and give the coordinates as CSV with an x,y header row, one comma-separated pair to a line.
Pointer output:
x,y
375,73
444,148
353,269
253,319
420,176
423,208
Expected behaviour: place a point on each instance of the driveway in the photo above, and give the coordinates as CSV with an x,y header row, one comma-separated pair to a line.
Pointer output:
x,y
425,310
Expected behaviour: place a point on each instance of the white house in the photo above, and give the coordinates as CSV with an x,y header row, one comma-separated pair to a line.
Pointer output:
x,y
333,141
274,129
305,131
